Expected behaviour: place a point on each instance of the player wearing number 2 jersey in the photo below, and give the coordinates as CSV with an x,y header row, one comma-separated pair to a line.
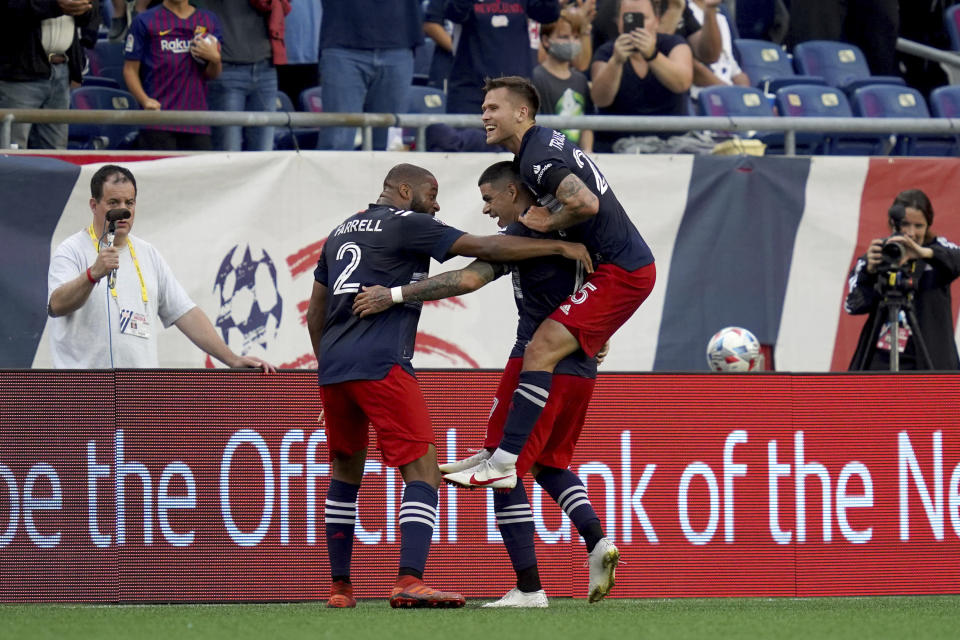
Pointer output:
x,y
574,198
365,371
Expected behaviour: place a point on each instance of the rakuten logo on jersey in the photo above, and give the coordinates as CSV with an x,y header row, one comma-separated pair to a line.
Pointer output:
x,y
177,45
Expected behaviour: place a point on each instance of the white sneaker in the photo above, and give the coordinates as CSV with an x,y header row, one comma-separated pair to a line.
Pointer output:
x,y
466,463
603,565
521,600
487,474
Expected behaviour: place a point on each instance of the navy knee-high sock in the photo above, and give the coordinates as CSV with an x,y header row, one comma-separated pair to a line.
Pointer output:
x,y
340,518
515,522
418,516
567,491
528,401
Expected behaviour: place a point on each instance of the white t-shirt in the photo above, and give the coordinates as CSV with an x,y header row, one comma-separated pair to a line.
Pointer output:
x,y
84,339
726,65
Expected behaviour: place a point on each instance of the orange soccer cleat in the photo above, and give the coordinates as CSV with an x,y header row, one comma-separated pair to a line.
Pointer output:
x,y
341,596
410,592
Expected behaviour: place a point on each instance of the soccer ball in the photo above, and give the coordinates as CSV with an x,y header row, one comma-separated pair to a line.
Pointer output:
x,y
250,303
734,349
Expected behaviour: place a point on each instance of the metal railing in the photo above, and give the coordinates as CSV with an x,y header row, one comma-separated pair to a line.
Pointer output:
x,y
367,121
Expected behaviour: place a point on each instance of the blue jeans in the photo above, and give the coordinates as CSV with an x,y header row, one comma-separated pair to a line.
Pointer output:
x,y
363,80
51,93
244,87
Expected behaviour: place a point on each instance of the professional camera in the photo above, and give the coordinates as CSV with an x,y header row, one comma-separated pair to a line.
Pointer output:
x,y
892,252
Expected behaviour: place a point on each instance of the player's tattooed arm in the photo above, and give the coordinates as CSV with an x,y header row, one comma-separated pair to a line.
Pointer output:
x,y
577,203
375,299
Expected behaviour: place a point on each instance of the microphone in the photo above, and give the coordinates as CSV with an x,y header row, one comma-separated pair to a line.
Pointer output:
x,y
112,216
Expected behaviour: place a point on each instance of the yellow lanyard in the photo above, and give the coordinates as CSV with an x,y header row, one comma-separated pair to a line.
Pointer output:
x,y
136,264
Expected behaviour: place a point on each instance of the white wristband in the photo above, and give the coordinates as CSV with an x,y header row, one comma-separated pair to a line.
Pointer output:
x,y
397,294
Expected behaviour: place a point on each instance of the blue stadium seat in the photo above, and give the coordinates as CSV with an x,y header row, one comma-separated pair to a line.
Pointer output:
x,y
840,64
810,101
100,81
422,58
723,100
312,100
106,61
945,101
422,100
296,138
951,19
768,66
889,101
102,136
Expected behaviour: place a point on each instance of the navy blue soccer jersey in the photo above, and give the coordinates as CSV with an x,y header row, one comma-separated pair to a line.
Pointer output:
x,y
540,285
546,157
386,246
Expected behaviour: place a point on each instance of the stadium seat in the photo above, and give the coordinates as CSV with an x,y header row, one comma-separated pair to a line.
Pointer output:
x,y
951,18
292,138
810,101
422,58
840,64
106,61
312,100
102,136
100,81
768,66
422,100
733,101
889,101
945,101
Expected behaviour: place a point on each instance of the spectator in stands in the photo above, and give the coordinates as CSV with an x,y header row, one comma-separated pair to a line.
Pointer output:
x,y
366,61
934,262
701,33
580,15
119,21
563,90
175,49
872,25
725,70
642,72
99,321
302,40
493,40
40,55
440,31
252,44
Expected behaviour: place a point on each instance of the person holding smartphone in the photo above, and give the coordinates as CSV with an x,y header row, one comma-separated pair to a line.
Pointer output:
x,y
642,72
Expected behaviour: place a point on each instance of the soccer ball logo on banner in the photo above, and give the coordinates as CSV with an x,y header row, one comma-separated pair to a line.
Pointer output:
x,y
734,349
250,303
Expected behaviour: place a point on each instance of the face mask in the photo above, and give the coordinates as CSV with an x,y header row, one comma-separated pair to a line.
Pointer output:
x,y
565,51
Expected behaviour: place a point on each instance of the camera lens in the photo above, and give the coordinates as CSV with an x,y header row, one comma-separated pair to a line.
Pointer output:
x,y
892,251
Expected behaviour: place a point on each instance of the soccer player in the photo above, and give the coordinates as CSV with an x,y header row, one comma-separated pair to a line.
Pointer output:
x,y
365,371
573,197
539,286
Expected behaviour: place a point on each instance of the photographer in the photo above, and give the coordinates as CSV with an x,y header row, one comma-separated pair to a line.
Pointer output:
x,y
926,267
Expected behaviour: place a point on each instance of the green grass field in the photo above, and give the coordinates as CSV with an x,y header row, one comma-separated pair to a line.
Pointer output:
x,y
781,618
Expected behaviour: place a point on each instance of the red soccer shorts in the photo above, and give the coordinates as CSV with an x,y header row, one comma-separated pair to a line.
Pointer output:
x,y
607,299
555,435
394,405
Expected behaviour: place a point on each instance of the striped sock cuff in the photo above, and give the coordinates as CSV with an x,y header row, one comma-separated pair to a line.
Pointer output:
x,y
514,513
572,498
340,512
414,511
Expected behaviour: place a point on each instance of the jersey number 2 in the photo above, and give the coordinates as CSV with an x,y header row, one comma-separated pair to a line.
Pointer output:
x,y
340,285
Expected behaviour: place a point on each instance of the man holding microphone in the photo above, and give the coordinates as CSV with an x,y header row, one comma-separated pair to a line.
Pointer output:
x,y
100,322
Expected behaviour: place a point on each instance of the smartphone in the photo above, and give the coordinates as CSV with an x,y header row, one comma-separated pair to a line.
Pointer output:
x,y
633,20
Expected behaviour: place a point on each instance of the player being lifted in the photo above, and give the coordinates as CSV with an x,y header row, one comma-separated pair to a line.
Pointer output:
x,y
539,285
575,199
365,372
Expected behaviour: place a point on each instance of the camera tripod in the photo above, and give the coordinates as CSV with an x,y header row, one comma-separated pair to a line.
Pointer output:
x,y
894,301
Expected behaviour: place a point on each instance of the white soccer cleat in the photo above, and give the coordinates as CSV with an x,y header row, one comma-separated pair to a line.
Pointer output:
x,y
487,474
603,567
466,463
517,599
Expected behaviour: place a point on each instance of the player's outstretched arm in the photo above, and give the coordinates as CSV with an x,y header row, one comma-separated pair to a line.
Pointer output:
x,y
577,204
375,299
505,248
316,314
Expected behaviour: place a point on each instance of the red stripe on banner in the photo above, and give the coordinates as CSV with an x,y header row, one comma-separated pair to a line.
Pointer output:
x,y
305,259
886,177
105,157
